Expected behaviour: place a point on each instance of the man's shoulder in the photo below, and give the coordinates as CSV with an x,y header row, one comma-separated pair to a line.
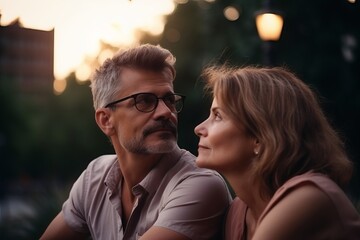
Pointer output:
x,y
186,171
102,162
100,168
188,163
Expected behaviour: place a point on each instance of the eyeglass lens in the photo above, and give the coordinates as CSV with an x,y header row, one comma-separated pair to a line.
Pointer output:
x,y
147,102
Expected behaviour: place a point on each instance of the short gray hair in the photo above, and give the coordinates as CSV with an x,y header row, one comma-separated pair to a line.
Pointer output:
x,y
105,82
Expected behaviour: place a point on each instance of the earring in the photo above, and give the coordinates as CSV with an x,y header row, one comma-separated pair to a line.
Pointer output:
x,y
256,152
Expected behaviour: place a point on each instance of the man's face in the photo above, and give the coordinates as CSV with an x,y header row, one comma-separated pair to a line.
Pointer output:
x,y
140,132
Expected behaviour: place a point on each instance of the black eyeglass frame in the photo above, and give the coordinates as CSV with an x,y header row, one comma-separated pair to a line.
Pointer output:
x,y
134,96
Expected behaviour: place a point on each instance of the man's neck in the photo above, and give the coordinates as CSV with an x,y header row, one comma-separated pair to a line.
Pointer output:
x,y
135,167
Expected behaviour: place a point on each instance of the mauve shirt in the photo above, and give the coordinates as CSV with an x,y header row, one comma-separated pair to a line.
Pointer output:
x,y
175,195
235,228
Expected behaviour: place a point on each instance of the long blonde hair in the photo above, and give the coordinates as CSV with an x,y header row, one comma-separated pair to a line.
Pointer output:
x,y
284,114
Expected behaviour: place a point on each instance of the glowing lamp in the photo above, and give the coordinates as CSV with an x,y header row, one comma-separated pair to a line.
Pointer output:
x,y
269,25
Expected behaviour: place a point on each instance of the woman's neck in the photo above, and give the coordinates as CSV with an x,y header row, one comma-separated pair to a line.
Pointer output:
x,y
249,191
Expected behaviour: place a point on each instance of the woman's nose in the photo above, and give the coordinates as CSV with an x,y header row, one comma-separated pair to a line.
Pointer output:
x,y
199,129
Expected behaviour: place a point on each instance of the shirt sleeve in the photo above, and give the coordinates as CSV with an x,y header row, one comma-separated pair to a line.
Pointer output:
x,y
196,207
73,207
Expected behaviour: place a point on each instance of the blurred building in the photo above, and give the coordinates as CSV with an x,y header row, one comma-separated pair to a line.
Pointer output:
x,y
27,58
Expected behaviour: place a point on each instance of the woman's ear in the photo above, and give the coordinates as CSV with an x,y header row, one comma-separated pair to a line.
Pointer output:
x,y
103,119
256,147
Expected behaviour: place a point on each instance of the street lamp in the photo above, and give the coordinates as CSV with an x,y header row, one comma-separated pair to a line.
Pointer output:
x,y
269,24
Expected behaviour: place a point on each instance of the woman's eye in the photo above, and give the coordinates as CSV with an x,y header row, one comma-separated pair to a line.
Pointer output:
x,y
217,116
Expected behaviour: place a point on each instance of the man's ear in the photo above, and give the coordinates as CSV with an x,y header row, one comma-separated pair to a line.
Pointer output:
x,y
103,119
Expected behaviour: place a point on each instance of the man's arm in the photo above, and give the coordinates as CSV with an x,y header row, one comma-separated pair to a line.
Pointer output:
x,y
59,229
160,233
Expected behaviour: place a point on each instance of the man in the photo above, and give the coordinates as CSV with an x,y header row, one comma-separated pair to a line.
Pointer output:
x,y
151,189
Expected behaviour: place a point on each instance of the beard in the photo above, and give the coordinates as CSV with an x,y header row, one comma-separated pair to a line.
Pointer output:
x,y
166,142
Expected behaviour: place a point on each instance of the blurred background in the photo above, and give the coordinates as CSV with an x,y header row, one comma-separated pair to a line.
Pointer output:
x,y
48,50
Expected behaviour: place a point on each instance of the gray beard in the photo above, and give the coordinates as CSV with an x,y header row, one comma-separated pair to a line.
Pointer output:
x,y
168,143
136,146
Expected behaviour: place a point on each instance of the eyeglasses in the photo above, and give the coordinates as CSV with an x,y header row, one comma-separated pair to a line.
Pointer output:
x,y
148,102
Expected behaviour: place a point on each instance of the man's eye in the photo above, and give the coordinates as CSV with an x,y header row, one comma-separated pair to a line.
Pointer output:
x,y
170,99
145,99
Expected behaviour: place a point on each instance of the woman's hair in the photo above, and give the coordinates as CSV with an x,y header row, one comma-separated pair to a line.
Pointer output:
x,y
106,81
284,115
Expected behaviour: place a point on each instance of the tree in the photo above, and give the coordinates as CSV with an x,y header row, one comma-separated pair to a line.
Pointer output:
x,y
320,45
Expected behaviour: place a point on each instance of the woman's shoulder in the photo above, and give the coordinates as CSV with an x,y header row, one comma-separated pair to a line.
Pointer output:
x,y
305,211
320,185
312,203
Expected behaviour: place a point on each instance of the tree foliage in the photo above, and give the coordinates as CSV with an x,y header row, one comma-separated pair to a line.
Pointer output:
x,y
56,137
319,42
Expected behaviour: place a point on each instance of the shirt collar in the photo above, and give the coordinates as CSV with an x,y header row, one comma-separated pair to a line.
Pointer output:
x,y
152,180
113,177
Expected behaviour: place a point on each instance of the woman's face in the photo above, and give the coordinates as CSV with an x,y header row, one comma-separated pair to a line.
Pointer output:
x,y
224,144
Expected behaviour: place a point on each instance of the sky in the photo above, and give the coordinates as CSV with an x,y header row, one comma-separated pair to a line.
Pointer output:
x,y
79,25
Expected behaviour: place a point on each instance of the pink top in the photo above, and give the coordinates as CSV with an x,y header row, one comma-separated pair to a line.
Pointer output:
x,y
235,221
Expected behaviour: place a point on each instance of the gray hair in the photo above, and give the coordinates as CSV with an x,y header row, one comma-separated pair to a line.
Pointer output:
x,y
105,82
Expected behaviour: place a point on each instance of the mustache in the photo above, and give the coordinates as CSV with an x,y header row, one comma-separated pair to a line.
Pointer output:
x,y
161,125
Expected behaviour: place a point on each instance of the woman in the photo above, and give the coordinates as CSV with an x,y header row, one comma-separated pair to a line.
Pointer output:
x,y
267,135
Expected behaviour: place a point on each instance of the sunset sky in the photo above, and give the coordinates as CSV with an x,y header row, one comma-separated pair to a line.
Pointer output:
x,y
80,24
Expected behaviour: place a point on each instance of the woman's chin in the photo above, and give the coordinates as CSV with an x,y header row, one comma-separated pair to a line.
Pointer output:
x,y
202,163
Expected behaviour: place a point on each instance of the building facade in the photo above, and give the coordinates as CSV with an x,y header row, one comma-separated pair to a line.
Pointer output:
x,y
27,58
